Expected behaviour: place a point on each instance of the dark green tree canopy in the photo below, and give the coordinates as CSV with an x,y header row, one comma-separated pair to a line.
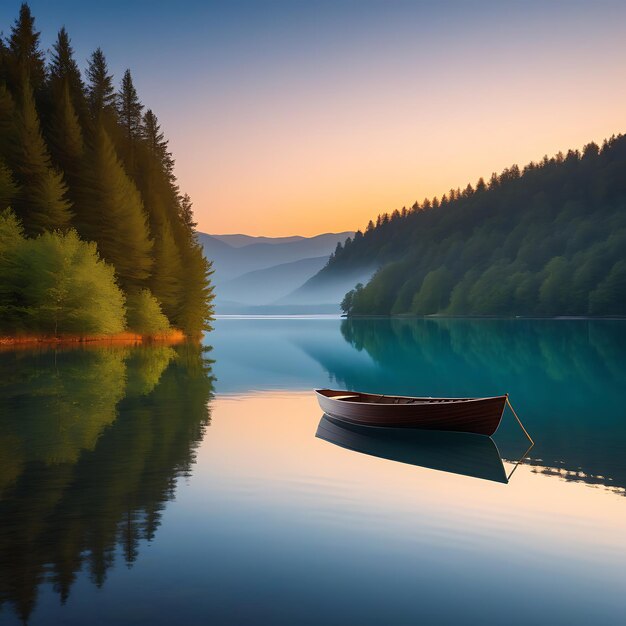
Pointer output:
x,y
63,71
546,240
25,58
120,225
76,154
100,90
42,203
156,143
129,108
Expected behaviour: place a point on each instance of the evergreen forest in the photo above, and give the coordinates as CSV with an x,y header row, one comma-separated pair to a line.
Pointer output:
x,y
545,240
96,237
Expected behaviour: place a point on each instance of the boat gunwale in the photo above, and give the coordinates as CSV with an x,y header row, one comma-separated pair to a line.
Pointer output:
x,y
425,399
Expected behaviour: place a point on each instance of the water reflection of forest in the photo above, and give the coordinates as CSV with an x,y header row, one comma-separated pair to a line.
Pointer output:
x,y
91,443
565,378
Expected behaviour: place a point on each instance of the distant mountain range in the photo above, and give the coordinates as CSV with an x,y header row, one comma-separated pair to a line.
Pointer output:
x,y
270,275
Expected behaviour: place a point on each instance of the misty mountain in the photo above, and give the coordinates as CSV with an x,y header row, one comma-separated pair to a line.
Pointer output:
x,y
230,261
268,285
328,289
258,271
239,240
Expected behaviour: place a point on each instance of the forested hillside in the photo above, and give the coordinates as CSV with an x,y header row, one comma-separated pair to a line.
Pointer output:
x,y
95,235
546,240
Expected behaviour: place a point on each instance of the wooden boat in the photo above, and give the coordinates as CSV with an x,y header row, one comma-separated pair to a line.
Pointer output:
x,y
470,415
464,454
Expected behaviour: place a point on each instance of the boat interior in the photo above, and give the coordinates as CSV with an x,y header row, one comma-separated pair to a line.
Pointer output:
x,y
383,399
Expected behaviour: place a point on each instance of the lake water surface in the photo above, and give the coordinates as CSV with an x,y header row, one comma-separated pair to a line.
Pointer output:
x,y
159,485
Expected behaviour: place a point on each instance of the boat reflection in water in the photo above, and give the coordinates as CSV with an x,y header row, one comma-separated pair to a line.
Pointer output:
x,y
466,454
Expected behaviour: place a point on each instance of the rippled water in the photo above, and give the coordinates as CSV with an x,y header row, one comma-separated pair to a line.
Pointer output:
x,y
163,484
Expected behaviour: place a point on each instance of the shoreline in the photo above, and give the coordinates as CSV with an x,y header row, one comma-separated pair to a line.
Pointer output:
x,y
487,317
126,338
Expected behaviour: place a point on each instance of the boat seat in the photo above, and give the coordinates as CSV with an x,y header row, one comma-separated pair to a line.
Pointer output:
x,y
347,397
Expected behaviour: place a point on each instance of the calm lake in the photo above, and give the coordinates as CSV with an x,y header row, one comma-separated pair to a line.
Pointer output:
x,y
160,485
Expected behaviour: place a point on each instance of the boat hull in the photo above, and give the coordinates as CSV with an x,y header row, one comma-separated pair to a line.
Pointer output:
x,y
470,415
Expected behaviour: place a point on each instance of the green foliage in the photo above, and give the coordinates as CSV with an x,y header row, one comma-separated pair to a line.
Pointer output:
x,y
555,289
119,224
12,278
76,154
608,297
434,294
157,147
129,110
348,301
55,285
63,71
65,136
25,58
197,309
548,240
144,314
11,232
8,188
7,121
167,272
42,203
185,213
100,91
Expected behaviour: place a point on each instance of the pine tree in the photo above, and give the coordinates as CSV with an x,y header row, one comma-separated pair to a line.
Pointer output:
x,y
4,58
155,180
24,56
118,172
185,212
156,143
129,114
65,137
7,121
154,174
67,147
42,203
129,108
118,223
196,310
166,279
100,92
8,187
63,73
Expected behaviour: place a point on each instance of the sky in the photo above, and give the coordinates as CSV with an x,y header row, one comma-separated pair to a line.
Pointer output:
x,y
297,118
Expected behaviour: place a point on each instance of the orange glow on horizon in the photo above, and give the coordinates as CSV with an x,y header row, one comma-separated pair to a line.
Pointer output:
x,y
302,175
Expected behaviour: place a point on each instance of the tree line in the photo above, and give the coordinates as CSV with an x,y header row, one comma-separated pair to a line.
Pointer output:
x,y
95,234
547,240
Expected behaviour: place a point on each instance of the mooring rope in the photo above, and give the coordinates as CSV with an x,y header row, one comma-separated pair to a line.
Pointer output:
x,y
519,421
532,443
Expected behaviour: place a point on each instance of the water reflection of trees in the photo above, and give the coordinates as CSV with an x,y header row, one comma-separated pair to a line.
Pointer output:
x,y
565,377
91,444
